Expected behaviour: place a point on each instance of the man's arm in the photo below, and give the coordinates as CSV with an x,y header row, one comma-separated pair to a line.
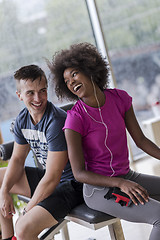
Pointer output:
x,y
13,174
55,165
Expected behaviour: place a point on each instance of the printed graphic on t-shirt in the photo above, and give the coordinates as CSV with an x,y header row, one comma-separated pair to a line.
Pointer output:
x,y
38,143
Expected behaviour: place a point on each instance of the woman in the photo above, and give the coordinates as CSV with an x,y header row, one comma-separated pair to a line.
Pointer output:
x,y
95,131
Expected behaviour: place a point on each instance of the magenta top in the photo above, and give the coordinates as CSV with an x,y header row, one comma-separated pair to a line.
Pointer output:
x,y
104,138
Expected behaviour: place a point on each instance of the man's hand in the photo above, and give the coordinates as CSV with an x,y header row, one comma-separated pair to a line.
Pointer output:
x,y
6,205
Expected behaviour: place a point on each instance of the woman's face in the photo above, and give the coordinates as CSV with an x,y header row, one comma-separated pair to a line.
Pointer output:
x,y
78,83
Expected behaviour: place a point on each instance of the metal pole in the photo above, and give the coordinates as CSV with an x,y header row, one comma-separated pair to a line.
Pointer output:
x,y
101,45
98,35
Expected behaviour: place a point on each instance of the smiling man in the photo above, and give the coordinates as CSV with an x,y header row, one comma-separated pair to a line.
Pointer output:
x,y
51,187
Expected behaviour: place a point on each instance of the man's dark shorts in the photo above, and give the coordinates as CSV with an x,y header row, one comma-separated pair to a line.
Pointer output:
x,y
66,196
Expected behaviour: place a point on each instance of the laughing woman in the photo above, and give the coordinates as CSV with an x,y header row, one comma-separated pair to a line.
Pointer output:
x,y
95,131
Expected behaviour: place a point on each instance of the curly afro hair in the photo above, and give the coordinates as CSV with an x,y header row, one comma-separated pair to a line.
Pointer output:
x,y
84,57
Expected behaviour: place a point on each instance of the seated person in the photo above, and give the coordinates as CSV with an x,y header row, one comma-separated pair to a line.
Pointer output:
x,y
95,131
52,188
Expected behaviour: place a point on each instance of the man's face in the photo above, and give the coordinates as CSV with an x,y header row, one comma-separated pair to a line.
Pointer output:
x,y
34,96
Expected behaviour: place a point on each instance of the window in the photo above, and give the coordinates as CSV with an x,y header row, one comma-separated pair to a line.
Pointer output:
x,y
132,33
31,31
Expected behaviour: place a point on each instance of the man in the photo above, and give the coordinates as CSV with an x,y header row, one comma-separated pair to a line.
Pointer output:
x,y
38,127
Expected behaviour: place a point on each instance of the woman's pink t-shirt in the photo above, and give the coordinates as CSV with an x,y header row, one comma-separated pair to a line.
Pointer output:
x,y
105,147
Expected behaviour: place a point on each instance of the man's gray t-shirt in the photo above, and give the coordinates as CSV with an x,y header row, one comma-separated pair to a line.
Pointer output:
x,y
45,135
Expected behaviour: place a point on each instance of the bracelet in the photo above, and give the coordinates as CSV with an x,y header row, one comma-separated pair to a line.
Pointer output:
x,y
24,211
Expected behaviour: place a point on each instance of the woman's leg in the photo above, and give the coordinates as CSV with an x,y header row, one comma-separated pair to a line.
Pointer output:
x,y
147,213
150,183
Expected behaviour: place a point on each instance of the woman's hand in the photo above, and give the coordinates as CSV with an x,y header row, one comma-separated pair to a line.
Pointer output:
x,y
134,191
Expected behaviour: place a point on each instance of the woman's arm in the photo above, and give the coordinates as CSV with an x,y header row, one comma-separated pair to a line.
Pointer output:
x,y
139,138
75,152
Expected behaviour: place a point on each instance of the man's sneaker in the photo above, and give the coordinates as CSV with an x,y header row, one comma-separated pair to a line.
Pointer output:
x,y
14,238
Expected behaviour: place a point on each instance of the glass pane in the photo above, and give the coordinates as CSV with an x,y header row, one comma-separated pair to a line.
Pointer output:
x,y
132,34
32,31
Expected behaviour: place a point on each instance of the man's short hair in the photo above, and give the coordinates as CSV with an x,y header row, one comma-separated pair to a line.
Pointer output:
x,y
31,72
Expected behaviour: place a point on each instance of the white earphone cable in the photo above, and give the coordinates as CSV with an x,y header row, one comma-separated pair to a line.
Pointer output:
x,y
102,122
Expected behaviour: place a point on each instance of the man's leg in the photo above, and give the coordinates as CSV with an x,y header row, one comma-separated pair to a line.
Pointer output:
x,y
47,213
21,187
33,223
6,227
